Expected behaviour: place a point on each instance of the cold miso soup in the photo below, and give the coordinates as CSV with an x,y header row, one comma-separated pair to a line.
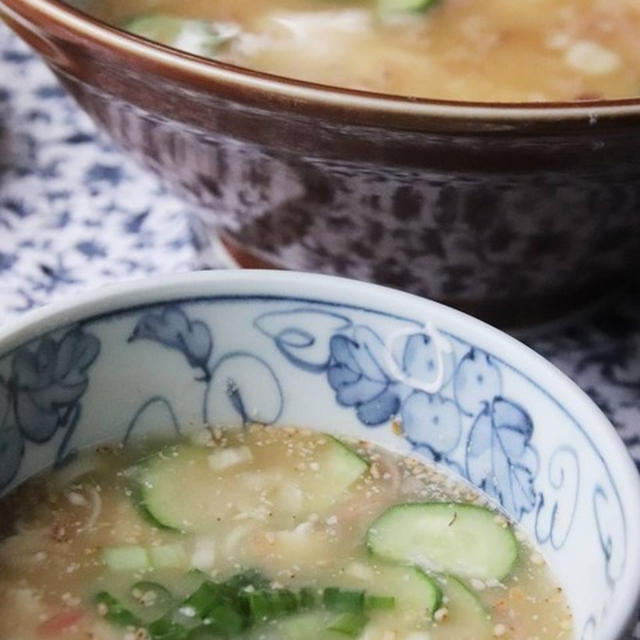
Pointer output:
x,y
473,50
266,534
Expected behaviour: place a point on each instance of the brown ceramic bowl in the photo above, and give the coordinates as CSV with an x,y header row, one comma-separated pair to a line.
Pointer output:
x,y
516,213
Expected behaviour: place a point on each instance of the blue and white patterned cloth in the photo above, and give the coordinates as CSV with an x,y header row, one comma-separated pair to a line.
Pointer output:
x,y
76,213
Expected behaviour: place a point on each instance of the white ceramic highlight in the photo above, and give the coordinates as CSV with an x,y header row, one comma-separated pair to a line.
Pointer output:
x,y
337,355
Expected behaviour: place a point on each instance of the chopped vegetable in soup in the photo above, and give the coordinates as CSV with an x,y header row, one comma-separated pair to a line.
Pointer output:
x,y
265,534
477,50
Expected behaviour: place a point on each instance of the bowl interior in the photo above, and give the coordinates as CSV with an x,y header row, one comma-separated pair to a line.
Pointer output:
x,y
338,356
75,22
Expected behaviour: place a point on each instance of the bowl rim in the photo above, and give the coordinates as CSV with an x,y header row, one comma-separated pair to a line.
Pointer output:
x,y
191,286
200,69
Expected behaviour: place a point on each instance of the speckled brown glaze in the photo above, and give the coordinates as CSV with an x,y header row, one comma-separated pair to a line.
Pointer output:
x,y
515,213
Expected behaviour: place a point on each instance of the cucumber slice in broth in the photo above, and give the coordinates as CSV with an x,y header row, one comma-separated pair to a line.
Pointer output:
x,y
151,600
302,626
157,27
126,558
461,539
200,37
176,488
394,7
467,618
338,468
415,591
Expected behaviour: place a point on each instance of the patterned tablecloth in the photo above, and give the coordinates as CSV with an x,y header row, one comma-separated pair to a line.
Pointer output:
x,y
75,213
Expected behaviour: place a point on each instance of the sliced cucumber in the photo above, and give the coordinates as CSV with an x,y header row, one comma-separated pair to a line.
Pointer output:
x,y
462,539
338,467
310,626
349,624
413,592
168,556
151,599
200,37
414,589
177,488
392,7
304,626
416,593
127,558
222,459
467,618
174,488
156,27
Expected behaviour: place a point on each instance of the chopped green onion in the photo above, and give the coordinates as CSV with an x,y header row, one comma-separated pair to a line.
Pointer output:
x,y
336,599
248,578
197,573
225,620
229,609
112,610
260,606
203,633
287,601
173,625
379,602
192,580
265,605
351,624
164,629
203,598
307,597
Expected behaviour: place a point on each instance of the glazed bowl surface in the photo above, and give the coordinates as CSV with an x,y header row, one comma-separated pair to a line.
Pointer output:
x,y
335,355
516,213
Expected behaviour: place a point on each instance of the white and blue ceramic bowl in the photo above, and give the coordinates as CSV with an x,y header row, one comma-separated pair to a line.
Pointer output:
x,y
337,355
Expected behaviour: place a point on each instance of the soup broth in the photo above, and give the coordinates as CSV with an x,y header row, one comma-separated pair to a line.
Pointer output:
x,y
266,534
489,50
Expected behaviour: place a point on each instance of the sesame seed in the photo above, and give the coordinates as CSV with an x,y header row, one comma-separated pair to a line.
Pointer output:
x,y
441,614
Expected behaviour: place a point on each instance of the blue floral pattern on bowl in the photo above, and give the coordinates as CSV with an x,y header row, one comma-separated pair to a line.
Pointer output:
x,y
42,395
401,381
421,384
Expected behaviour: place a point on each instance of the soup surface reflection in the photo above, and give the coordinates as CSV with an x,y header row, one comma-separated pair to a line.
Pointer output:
x,y
476,50
265,534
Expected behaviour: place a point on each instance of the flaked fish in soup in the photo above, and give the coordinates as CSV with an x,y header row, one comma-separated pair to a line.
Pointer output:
x,y
265,534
